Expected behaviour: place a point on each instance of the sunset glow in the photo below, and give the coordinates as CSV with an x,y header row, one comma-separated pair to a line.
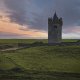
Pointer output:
x,y
7,27
29,18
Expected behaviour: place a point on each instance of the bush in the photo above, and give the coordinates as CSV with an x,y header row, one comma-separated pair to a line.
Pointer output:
x,y
17,69
78,41
38,43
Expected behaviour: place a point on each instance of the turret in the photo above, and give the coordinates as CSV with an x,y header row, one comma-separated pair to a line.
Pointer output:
x,y
55,17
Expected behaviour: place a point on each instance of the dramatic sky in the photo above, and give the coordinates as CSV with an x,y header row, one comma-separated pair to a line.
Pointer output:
x,y
29,18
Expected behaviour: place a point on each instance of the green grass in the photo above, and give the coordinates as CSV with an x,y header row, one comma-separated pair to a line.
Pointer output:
x,y
70,40
22,40
40,63
31,40
5,63
58,58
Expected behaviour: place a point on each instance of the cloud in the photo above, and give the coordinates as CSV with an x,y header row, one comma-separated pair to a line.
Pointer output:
x,y
35,13
7,35
71,32
69,10
26,12
16,10
71,36
12,28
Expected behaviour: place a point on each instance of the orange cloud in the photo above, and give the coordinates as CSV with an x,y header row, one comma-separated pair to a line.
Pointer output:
x,y
7,26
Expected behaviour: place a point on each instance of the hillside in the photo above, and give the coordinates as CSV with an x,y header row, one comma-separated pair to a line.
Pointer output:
x,y
42,61
66,59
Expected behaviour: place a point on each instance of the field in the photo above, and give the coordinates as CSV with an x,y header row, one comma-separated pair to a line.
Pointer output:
x,y
40,62
44,58
32,40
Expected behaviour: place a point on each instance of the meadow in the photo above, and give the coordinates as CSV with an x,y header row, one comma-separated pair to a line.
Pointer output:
x,y
61,59
31,40
40,62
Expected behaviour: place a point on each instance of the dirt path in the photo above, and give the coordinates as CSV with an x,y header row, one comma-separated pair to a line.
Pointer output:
x,y
10,49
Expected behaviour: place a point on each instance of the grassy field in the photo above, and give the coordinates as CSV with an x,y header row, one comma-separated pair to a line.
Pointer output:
x,y
45,59
66,59
31,40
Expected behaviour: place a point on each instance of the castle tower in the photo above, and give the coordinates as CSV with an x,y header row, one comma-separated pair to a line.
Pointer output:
x,y
55,29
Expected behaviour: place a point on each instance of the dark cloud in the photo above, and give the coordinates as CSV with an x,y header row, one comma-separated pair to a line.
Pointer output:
x,y
17,11
69,10
35,13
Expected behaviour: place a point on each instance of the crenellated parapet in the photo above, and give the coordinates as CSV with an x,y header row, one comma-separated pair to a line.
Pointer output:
x,y
55,20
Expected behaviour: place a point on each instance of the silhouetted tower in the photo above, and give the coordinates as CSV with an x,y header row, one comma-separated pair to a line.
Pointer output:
x,y
55,29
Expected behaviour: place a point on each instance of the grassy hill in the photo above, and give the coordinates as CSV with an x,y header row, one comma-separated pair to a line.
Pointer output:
x,y
51,58
41,62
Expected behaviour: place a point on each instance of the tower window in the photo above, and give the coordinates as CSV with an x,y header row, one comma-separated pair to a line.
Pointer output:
x,y
55,26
